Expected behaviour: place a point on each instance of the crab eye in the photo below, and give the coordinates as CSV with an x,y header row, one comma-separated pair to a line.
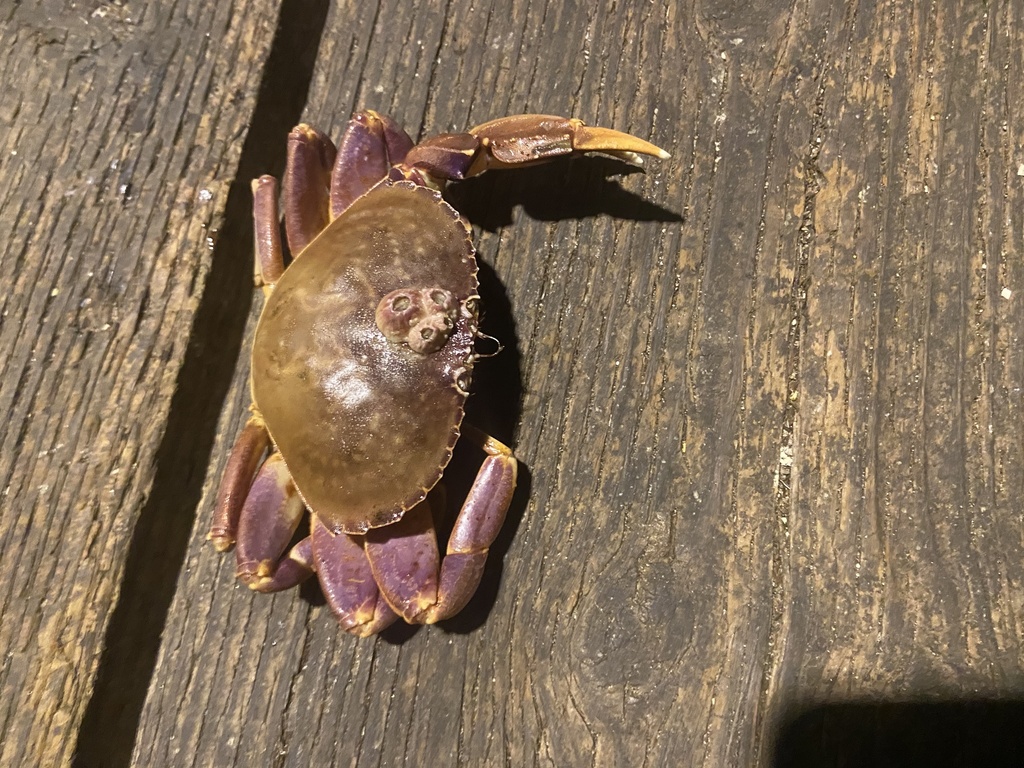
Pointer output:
x,y
400,303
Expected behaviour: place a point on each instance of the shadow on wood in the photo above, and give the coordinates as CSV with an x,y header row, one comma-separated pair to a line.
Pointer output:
x,y
908,734
161,536
571,188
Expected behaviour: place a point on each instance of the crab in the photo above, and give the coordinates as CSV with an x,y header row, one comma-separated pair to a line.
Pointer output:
x,y
361,366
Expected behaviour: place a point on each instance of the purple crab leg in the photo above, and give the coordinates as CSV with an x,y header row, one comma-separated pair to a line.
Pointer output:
x,y
307,184
515,141
404,559
243,461
372,143
252,443
290,571
404,555
348,583
267,231
272,511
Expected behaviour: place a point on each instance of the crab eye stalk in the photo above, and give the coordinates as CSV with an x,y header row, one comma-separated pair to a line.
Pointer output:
x,y
421,319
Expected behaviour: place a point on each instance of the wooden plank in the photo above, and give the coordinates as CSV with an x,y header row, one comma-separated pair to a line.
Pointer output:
x,y
745,388
900,561
610,566
123,128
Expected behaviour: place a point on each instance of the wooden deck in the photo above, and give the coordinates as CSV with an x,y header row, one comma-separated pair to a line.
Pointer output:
x,y
768,397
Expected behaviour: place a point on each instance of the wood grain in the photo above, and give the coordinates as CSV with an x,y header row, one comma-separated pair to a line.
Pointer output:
x,y
900,561
123,128
767,397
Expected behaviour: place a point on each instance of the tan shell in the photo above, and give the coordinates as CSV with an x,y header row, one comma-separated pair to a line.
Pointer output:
x,y
366,425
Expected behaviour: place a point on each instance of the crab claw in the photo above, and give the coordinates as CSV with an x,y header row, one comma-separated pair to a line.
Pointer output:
x,y
307,183
518,140
530,138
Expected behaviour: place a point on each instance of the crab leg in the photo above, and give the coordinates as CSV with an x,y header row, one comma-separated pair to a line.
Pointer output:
x,y
404,555
252,443
289,571
372,143
234,484
272,511
269,263
347,582
307,183
514,141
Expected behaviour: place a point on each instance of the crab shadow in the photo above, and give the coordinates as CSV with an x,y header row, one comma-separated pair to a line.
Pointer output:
x,y
495,408
580,187
571,188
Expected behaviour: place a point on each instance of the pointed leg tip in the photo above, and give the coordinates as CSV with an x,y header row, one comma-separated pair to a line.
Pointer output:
x,y
304,131
220,541
358,627
415,608
263,584
359,631
264,181
366,623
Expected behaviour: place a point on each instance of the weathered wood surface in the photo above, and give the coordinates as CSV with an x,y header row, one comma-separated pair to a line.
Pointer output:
x,y
122,134
768,398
